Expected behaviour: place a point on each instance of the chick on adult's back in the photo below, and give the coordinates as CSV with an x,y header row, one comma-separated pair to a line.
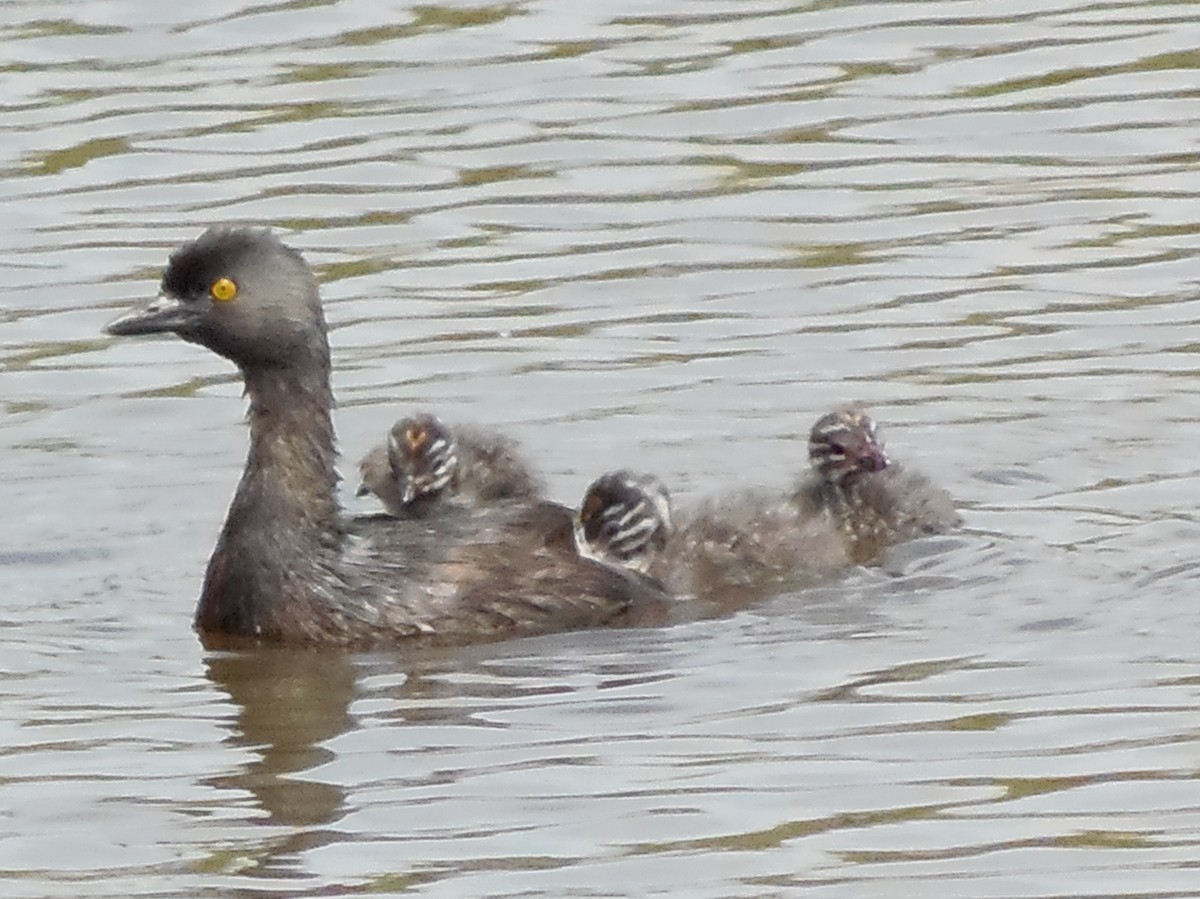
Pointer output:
x,y
625,519
425,463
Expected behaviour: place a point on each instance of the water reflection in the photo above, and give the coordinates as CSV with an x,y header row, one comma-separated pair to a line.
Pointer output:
x,y
289,706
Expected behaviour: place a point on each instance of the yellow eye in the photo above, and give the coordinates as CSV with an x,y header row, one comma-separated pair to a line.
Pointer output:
x,y
223,289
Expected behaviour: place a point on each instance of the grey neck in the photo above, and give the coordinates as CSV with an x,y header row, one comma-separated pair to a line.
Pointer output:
x,y
292,447
283,534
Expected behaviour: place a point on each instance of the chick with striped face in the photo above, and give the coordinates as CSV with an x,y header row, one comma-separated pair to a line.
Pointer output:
x,y
423,458
624,520
845,444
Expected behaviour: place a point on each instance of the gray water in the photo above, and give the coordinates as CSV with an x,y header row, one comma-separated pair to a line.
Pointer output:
x,y
666,235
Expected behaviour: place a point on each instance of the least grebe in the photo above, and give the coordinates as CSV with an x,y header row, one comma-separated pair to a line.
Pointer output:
x,y
741,545
425,462
874,501
288,567
625,519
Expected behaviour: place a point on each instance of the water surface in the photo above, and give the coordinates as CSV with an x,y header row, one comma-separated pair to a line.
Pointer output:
x,y
665,235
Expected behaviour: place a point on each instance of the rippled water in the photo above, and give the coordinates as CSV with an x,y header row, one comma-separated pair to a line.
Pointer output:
x,y
666,235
